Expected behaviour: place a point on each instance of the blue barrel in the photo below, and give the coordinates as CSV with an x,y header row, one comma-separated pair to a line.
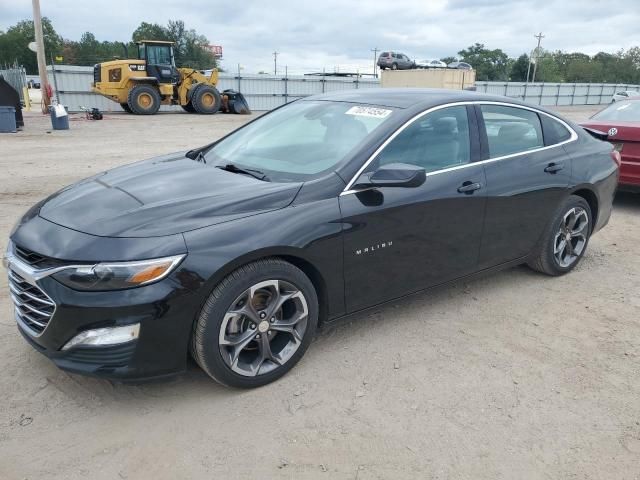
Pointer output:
x,y
58,123
7,119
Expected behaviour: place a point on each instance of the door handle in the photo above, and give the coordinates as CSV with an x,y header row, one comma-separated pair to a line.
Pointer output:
x,y
554,167
469,187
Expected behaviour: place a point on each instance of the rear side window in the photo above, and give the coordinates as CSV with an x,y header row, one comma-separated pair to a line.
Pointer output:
x,y
554,131
511,130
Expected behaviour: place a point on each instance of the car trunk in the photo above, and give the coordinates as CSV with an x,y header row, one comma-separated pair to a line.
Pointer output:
x,y
625,137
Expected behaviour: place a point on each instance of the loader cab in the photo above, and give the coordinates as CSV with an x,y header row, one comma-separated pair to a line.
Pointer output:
x,y
160,62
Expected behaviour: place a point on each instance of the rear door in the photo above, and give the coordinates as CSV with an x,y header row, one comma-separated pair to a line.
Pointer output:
x,y
399,240
526,180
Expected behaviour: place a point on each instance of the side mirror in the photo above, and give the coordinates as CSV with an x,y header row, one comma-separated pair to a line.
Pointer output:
x,y
393,175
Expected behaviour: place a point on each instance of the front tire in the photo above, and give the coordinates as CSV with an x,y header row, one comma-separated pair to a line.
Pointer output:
x,y
206,99
256,324
565,239
394,66
125,107
144,100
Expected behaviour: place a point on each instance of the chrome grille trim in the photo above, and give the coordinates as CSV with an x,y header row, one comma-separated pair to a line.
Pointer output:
x,y
33,308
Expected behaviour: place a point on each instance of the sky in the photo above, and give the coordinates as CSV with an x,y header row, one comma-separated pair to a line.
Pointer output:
x,y
339,35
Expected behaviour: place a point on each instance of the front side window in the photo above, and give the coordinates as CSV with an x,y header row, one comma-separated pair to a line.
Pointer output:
x,y
301,140
511,130
158,55
436,141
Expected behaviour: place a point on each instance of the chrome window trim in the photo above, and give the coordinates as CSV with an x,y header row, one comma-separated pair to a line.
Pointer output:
x,y
574,136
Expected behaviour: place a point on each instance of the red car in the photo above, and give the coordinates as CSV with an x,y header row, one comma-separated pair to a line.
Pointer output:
x,y
621,122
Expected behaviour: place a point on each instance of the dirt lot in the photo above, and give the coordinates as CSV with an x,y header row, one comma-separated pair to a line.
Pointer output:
x,y
513,376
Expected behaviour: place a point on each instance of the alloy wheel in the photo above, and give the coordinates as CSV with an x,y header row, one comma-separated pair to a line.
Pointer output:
x,y
263,328
571,238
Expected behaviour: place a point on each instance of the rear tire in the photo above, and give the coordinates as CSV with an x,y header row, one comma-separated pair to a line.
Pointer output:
x,y
256,324
206,99
144,100
125,107
394,66
565,239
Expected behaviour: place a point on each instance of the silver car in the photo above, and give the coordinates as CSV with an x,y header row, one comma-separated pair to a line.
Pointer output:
x,y
395,61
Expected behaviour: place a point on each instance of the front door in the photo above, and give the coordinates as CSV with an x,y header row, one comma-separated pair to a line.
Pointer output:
x,y
160,63
400,240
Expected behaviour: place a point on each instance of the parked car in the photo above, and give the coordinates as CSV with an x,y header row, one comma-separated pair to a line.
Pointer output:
x,y
430,64
236,251
395,61
621,124
625,95
460,66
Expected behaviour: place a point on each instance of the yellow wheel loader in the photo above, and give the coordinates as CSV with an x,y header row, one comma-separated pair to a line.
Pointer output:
x,y
141,85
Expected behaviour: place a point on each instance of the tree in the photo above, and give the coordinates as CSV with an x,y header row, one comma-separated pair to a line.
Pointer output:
x,y
14,44
150,31
449,60
489,64
519,69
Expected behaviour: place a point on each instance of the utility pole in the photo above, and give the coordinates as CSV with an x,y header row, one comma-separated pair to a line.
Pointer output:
x,y
375,61
535,66
42,63
275,63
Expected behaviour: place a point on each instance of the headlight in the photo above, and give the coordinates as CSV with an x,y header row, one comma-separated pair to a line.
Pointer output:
x,y
117,275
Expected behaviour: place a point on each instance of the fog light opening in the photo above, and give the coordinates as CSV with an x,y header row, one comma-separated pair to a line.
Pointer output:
x,y
105,336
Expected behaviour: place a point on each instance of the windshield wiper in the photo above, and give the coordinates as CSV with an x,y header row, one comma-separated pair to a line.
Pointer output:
x,y
230,167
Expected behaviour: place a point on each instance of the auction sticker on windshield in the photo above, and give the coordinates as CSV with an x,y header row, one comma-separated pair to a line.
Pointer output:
x,y
374,112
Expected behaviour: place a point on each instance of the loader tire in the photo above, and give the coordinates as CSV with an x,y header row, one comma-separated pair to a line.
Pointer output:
x,y
125,107
144,100
188,108
206,99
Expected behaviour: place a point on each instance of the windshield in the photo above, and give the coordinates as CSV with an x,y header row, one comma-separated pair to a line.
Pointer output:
x,y
625,111
300,141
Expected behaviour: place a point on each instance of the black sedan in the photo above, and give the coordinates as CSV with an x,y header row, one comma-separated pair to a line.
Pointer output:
x,y
237,251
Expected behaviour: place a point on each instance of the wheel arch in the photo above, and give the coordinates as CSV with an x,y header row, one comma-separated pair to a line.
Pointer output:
x,y
292,255
592,199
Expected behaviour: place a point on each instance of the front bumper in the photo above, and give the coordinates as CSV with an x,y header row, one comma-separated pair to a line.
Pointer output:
x,y
165,311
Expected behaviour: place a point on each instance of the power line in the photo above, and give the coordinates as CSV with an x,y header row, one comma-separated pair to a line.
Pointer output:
x,y
537,51
375,51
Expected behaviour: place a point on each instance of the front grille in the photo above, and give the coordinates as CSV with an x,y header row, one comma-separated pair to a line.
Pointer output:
x,y
33,307
35,259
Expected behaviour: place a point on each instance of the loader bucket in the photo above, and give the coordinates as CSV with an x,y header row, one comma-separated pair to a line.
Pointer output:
x,y
234,102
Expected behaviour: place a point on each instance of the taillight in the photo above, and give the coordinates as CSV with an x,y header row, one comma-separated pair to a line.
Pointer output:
x,y
615,156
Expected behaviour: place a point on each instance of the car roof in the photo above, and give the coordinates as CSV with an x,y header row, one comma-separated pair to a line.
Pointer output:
x,y
409,97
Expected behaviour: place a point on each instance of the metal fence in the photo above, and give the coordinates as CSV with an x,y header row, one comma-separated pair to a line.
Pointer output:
x,y
17,78
556,93
72,85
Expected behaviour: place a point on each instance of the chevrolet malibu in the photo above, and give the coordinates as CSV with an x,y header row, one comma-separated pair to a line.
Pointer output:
x,y
235,252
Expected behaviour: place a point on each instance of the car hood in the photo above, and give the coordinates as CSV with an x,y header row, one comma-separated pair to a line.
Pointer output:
x,y
162,196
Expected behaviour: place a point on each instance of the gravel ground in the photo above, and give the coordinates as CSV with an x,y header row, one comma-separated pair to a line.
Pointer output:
x,y
512,376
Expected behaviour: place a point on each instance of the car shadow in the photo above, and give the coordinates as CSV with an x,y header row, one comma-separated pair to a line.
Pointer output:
x,y
627,201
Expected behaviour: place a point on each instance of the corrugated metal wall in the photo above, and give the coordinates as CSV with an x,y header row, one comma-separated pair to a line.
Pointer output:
x,y
17,78
265,92
556,93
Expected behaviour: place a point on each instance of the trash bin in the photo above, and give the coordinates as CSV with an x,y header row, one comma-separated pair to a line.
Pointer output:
x,y
7,119
59,117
